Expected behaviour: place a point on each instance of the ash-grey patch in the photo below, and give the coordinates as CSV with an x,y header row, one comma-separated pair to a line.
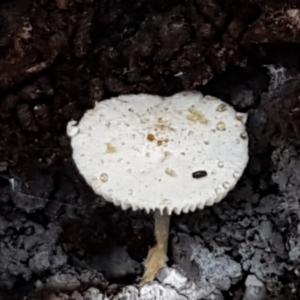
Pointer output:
x,y
255,289
214,270
171,284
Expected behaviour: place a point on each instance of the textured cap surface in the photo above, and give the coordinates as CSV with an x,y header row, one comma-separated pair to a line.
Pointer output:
x,y
147,152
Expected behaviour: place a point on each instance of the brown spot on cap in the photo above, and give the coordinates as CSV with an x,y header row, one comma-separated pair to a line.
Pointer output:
x,y
150,137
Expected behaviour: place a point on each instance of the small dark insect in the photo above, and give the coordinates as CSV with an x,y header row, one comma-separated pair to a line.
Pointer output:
x,y
199,174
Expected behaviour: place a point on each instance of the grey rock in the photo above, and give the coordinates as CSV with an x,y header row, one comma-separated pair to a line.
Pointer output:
x,y
255,289
40,262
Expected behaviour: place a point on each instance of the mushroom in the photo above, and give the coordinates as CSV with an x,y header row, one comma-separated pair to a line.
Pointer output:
x,y
161,154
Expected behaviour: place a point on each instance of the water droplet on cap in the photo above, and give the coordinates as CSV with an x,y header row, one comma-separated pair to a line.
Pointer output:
x,y
110,148
222,107
236,174
72,131
170,172
218,191
220,164
244,135
165,202
241,117
226,185
104,177
221,126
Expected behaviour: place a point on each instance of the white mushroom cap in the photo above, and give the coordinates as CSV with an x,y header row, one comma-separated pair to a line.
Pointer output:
x,y
141,151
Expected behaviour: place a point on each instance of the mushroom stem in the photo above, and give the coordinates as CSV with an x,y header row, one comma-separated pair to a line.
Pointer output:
x,y
162,227
157,256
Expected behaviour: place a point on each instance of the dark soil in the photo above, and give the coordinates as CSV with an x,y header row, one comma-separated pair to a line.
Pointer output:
x,y
58,57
